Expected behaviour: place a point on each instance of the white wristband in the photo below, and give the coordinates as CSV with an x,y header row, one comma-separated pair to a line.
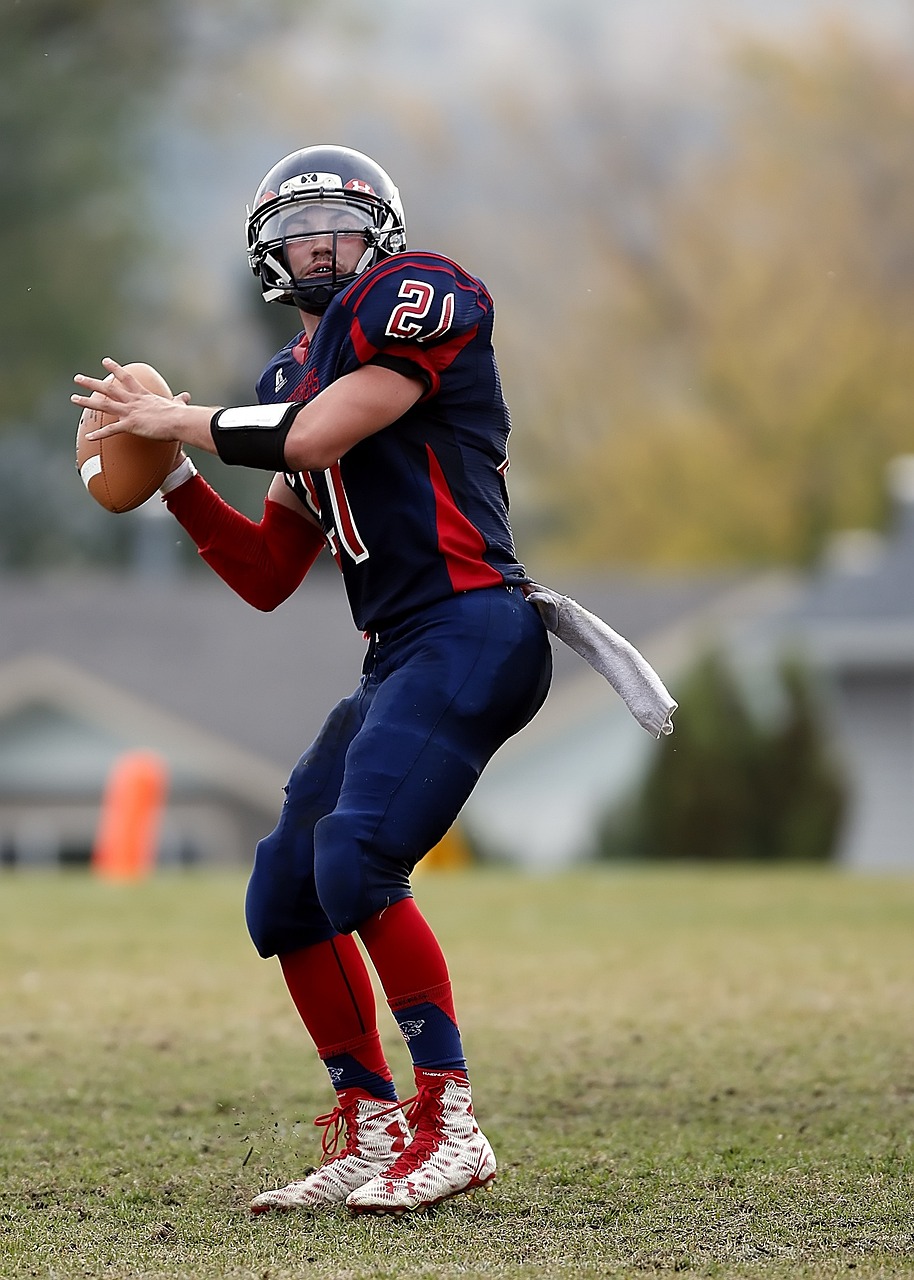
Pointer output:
x,y
183,471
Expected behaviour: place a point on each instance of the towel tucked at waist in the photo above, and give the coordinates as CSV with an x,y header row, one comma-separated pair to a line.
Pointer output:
x,y
618,661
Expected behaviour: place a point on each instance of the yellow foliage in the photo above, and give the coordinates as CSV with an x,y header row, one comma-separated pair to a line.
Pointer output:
x,y
734,393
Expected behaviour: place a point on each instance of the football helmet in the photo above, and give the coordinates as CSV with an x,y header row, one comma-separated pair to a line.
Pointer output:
x,y
325,191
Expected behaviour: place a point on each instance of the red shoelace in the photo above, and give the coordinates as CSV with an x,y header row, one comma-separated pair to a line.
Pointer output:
x,y
422,1116
342,1119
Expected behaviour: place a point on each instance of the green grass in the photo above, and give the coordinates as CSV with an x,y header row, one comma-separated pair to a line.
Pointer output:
x,y
691,1072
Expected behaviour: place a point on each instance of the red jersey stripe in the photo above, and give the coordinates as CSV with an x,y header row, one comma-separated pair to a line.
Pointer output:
x,y
460,542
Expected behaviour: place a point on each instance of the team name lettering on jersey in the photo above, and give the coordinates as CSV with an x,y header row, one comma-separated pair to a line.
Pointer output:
x,y
309,386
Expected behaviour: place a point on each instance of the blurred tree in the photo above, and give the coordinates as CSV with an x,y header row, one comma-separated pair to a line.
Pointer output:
x,y
734,787
75,79
83,84
736,379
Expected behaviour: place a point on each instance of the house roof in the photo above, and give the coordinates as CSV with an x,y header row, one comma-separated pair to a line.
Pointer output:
x,y
84,722
194,651
858,609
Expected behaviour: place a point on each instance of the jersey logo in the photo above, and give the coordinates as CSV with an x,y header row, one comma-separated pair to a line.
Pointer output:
x,y
280,381
407,316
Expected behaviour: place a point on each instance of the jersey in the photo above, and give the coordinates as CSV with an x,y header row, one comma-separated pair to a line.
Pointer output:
x,y
419,510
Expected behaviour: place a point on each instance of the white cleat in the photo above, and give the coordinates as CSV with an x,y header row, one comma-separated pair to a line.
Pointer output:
x,y
448,1155
376,1133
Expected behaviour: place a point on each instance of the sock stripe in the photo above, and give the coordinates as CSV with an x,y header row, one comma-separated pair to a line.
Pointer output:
x,y
348,985
440,995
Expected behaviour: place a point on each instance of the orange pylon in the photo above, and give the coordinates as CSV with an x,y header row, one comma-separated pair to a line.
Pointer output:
x,y
126,841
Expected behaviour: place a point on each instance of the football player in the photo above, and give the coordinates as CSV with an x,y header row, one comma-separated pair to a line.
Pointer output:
x,y
385,428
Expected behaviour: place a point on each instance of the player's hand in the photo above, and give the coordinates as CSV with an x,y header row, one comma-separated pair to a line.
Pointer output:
x,y
130,405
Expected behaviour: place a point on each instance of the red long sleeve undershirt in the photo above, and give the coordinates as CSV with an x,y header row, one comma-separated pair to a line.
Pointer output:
x,y
263,563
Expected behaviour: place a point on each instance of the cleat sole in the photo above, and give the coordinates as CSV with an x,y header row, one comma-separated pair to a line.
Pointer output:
x,y
398,1211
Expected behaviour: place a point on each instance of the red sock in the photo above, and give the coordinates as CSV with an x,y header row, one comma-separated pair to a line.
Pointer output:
x,y
331,988
407,955
414,975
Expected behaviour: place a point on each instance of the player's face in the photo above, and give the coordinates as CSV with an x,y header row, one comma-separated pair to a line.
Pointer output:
x,y
313,233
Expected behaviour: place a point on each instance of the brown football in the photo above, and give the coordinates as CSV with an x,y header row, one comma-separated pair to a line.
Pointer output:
x,y
122,472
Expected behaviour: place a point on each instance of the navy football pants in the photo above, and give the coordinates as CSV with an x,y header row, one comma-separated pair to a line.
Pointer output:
x,y
394,763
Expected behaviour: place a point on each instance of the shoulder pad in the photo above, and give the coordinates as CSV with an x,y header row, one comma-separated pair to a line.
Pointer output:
x,y
416,298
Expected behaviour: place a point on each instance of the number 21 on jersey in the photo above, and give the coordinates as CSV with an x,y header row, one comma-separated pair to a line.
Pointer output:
x,y
407,316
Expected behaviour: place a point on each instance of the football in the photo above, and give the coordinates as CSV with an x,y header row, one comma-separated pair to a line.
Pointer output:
x,y
122,472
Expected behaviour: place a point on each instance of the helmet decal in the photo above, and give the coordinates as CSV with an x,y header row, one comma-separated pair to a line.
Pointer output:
x,y
303,181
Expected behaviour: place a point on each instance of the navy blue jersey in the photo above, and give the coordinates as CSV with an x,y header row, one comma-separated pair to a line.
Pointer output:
x,y
419,511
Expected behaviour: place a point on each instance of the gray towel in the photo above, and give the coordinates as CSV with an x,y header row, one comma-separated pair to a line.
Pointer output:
x,y
619,662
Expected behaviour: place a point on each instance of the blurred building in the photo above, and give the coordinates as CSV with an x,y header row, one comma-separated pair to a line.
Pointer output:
x,y
95,667
854,622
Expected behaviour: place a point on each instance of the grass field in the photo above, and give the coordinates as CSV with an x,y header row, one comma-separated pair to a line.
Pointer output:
x,y
690,1072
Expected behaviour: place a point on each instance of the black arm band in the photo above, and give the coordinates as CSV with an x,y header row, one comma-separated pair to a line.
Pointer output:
x,y
254,436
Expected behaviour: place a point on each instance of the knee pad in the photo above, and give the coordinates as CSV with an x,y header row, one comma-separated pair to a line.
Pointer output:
x,y
256,908
355,877
260,900
281,906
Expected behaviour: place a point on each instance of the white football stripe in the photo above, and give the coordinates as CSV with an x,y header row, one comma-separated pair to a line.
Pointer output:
x,y
91,468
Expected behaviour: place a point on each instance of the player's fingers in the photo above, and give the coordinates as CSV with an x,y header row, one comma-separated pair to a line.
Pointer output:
x,y
95,397
117,383
102,404
89,402
116,370
123,381
110,429
106,387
